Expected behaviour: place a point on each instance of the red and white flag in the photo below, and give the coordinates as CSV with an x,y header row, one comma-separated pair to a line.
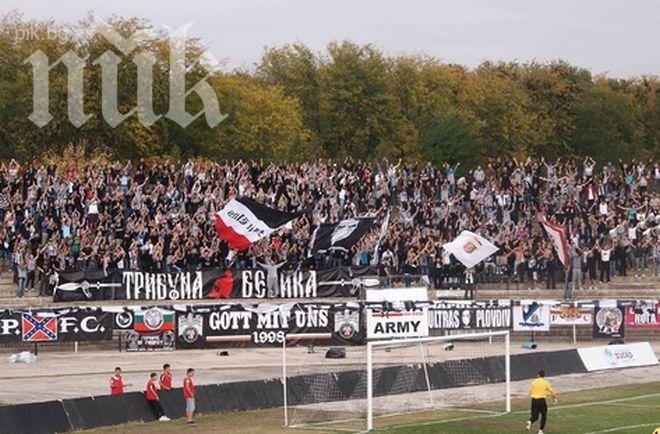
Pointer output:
x,y
243,221
559,238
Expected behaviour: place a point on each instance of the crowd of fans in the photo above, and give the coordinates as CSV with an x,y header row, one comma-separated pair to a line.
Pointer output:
x,y
160,217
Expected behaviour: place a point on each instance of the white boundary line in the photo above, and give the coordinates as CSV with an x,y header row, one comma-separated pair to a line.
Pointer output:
x,y
558,407
625,404
621,428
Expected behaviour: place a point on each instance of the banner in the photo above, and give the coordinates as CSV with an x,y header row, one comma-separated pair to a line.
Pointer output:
x,y
571,314
469,316
299,284
643,314
211,283
470,248
531,317
147,330
394,323
58,325
618,356
232,325
137,285
608,320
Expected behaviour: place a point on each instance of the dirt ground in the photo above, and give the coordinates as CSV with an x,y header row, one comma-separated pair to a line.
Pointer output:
x,y
68,375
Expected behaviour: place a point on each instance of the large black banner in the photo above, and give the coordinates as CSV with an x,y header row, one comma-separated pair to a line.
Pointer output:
x,y
211,283
471,315
75,324
233,325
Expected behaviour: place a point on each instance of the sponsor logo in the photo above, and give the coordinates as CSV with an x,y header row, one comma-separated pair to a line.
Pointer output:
x,y
616,357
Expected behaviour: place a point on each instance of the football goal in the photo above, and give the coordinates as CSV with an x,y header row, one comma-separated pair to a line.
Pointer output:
x,y
397,382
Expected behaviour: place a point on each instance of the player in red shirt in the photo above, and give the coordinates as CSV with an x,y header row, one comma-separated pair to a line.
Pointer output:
x,y
151,393
166,378
117,383
189,394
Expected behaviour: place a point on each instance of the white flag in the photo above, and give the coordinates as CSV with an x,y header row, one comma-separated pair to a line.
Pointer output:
x,y
470,248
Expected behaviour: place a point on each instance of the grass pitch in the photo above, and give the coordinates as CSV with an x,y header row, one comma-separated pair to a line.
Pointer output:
x,y
622,409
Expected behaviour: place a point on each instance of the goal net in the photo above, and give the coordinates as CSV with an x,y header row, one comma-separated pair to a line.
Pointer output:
x,y
398,382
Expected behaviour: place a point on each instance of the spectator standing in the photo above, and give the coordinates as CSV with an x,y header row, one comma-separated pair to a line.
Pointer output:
x,y
605,254
576,266
21,274
189,395
31,266
166,378
117,383
151,394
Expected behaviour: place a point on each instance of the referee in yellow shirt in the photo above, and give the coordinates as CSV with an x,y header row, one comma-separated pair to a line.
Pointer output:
x,y
538,390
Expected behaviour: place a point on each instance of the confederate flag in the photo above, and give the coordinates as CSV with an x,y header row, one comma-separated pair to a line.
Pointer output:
x,y
243,221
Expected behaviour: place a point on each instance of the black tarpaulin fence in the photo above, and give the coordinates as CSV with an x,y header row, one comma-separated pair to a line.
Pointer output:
x,y
91,412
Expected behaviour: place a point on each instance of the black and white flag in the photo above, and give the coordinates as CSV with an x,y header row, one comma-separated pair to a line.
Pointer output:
x,y
342,235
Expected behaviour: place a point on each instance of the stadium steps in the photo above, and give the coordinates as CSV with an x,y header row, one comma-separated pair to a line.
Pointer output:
x,y
629,287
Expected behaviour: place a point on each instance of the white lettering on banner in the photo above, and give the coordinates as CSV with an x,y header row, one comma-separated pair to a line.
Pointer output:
x,y
163,286
297,284
253,283
447,318
86,327
311,318
273,320
8,326
617,356
397,324
493,318
292,285
229,320
67,323
645,318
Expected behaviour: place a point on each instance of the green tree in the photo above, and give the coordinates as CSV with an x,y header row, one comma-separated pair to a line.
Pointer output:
x,y
357,109
604,123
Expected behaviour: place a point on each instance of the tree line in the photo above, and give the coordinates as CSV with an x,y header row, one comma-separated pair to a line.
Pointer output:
x,y
349,100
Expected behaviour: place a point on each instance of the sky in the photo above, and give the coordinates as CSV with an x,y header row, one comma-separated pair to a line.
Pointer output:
x,y
619,38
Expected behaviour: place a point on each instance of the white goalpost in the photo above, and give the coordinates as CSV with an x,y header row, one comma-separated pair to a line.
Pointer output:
x,y
398,382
